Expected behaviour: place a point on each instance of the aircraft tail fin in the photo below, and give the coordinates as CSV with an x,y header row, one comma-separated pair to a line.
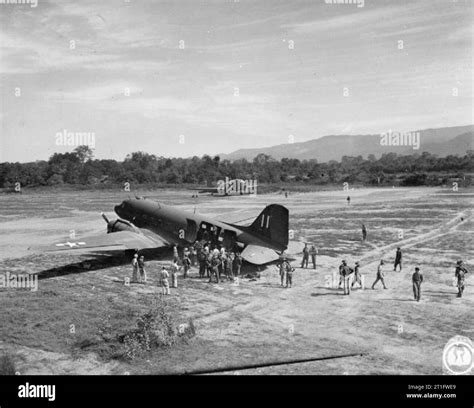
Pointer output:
x,y
272,223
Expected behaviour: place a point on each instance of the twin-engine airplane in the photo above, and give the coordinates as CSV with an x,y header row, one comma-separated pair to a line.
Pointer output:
x,y
147,224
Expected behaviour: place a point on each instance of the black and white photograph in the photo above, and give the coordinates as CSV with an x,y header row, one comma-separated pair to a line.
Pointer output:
x,y
237,189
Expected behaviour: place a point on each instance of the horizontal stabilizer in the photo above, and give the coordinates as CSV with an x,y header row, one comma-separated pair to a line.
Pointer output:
x,y
259,255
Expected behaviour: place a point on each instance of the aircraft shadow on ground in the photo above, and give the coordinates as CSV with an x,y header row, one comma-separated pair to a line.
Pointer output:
x,y
329,292
102,260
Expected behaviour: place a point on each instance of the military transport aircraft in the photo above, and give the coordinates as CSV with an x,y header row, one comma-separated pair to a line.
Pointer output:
x,y
147,224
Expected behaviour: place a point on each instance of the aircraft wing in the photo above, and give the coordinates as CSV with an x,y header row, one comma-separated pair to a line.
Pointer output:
x,y
259,255
119,240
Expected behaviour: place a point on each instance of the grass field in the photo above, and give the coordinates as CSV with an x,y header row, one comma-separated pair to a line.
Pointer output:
x,y
257,320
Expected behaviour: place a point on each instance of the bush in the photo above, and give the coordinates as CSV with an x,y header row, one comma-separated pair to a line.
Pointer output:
x,y
152,330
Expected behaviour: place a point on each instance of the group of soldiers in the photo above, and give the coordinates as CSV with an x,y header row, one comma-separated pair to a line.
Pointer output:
x,y
286,272
351,276
306,254
214,263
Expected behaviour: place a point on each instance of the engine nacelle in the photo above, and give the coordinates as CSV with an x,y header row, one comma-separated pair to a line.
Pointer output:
x,y
118,225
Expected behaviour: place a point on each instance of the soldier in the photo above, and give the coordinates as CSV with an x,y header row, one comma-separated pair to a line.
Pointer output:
x,y
282,269
174,274
237,264
209,265
135,268
164,281
215,262
289,274
304,262
460,273
341,272
398,260
313,252
417,278
347,277
192,255
357,276
186,265
380,275
175,253
141,268
222,258
186,252
202,264
229,259
364,232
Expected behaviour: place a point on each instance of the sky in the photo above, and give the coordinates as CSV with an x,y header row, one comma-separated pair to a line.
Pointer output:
x,y
192,77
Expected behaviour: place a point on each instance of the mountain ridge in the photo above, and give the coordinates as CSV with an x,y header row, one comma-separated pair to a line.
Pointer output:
x,y
439,141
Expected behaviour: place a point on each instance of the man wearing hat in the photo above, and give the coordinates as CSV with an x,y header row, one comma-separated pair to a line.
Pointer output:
x,y
214,265
186,265
313,252
284,267
347,278
164,281
135,268
459,274
380,275
417,278
341,273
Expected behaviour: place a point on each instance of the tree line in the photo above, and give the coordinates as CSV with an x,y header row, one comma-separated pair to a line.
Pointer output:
x,y
80,168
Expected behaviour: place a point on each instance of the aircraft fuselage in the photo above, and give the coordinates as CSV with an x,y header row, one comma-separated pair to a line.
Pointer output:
x,y
184,228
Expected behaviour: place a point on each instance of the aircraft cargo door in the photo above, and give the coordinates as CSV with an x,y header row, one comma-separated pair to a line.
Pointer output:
x,y
191,230
229,240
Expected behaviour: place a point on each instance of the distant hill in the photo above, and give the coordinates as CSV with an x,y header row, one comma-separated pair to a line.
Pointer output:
x,y
441,141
